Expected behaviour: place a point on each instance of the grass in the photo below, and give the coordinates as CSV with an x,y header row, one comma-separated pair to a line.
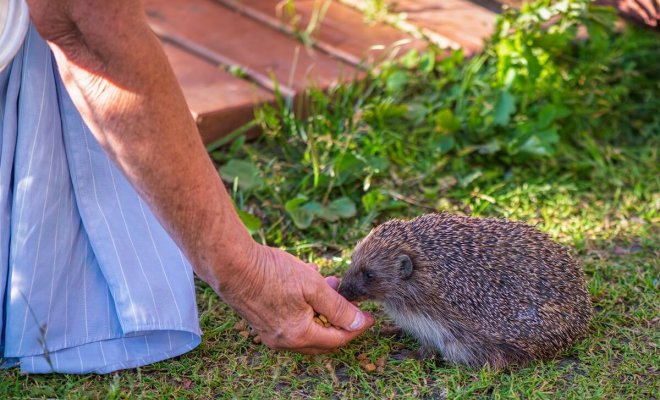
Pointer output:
x,y
613,224
417,138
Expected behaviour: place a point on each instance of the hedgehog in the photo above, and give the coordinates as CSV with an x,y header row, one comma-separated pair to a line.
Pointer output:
x,y
480,291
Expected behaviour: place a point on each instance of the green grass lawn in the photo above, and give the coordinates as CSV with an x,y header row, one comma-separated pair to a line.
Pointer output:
x,y
539,128
613,223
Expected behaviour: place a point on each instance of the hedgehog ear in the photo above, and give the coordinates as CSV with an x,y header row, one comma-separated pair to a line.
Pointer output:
x,y
405,265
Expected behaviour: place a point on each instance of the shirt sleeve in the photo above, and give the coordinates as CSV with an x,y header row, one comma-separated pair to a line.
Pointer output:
x,y
14,21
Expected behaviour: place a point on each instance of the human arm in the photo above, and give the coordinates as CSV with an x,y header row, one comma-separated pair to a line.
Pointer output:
x,y
119,79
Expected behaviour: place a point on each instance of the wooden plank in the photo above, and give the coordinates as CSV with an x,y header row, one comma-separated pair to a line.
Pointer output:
x,y
645,12
221,35
341,31
219,102
463,22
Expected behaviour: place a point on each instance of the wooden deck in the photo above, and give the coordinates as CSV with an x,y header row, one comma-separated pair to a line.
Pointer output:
x,y
230,55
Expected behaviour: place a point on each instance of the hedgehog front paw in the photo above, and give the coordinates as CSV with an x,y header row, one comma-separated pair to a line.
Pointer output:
x,y
391,330
426,353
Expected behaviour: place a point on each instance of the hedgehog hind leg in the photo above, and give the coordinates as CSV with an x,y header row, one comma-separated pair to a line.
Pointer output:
x,y
463,353
480,355
505,355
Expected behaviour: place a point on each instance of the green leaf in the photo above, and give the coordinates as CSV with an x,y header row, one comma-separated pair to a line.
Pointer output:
x,y
243,170
505,105
347,168
374,200
598,35
533,65
344,207
443,144
379,200
377,164
410,59
446,122
549,113
252,223
416,112
302,212
396,81
237,144
385,111
340,208
313,207
490,148
541,143
427,62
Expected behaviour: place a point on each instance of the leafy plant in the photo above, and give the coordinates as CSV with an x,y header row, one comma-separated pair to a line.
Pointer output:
x,y
539,85
305,34
554,86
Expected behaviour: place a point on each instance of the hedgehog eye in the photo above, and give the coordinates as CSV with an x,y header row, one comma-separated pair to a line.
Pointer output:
x,y
369,275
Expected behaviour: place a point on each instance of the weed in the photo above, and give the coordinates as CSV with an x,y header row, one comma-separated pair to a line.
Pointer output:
x,y
538,97
305,34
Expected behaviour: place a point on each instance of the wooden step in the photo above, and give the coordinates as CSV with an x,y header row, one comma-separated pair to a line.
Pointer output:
x,y
219,102
262,40
224,36
335,28
465,24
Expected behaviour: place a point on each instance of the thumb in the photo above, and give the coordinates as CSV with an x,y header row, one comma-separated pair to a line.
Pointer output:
x,y
339,311
332,281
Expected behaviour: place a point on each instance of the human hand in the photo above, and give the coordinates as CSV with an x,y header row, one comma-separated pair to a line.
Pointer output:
x,y
278,295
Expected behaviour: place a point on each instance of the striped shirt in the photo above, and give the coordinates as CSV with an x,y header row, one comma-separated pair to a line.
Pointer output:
x,y
89,280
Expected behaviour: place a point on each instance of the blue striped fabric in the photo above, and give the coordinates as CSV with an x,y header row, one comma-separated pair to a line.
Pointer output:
x,y
89,280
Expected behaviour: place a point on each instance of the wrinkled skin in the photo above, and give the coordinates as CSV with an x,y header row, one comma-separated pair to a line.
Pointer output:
x,y
120,80
272,305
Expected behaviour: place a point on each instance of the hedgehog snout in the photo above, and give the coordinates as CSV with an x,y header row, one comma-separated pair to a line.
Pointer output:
x,y
352,291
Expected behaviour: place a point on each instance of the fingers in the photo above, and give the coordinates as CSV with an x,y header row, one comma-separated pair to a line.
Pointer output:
x,y
310,338
325,300
319,339
332,281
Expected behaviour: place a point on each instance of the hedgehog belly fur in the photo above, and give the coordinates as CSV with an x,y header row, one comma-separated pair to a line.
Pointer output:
x,y
433,333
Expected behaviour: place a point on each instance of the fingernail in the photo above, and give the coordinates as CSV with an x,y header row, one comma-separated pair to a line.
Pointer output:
x,y
357,322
